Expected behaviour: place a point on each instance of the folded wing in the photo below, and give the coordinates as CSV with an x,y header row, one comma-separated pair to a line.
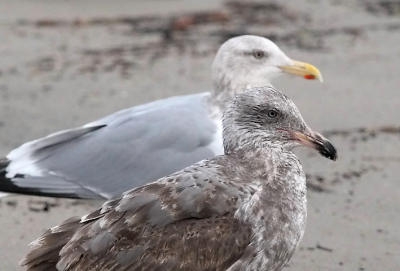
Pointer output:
x,y
183,222
124,150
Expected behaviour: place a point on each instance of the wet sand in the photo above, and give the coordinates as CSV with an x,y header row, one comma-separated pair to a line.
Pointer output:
x,y
65,64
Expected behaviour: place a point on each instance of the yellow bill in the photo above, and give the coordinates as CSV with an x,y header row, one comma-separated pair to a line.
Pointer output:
x,y
303,69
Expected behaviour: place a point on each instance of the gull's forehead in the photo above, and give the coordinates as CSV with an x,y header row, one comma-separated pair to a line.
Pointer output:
x,y
268,95
249,42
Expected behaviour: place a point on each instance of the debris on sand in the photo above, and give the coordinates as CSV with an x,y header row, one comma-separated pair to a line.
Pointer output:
x,y
384,7
42,205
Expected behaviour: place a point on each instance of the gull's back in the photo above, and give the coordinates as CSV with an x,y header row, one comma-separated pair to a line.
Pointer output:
x,y
124,150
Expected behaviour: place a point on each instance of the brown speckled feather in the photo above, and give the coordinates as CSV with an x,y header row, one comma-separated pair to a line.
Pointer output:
x,y
219,241
177,213
44,254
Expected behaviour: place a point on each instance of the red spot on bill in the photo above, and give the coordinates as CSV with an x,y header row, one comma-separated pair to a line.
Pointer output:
x,y
309,76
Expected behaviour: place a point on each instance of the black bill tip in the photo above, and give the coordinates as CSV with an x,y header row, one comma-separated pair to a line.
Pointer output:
x,y
327,150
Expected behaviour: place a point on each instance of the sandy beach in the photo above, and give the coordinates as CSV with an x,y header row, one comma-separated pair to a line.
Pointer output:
x,y
65,63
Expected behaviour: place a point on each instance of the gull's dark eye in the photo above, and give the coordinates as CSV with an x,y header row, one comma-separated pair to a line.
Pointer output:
x,y
273,113
258,54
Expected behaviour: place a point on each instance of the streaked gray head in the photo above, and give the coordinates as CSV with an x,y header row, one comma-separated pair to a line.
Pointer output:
x,y
264,118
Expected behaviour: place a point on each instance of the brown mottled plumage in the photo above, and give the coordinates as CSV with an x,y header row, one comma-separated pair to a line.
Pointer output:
x,y
244,210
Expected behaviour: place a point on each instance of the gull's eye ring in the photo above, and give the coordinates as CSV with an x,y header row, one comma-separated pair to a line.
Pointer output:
x,y
258,54
273,113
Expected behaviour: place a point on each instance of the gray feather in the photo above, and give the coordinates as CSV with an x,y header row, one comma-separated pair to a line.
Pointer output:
x,y
122,147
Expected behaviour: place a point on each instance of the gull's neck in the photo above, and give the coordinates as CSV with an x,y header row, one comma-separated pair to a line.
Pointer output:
x,y
271,167
238,140
277,209
263,158
227,87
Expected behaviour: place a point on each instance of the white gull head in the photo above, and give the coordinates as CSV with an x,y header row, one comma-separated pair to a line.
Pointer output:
x,y
253,61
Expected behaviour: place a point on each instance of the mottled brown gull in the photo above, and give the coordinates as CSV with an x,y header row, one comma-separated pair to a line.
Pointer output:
x,y
106,157
244,210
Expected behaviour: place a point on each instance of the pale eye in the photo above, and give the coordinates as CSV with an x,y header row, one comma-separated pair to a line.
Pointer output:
x,y
258,54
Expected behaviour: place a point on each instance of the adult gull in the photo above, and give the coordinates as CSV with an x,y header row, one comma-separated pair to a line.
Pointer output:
x,y
141,144
244,210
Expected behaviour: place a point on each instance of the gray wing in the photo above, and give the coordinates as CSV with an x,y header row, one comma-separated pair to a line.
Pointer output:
x,y
124,150
182,222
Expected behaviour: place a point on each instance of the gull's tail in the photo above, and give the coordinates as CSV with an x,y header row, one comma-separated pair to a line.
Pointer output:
x,y
36,186
24,172
44,253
